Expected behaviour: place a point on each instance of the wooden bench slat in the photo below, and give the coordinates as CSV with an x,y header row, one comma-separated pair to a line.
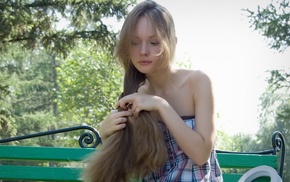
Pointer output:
x,y
231,177
228,160
70,173
39,173
44,153
235,177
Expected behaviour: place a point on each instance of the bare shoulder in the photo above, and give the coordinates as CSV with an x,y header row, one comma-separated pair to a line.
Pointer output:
x,y
200,89
194,77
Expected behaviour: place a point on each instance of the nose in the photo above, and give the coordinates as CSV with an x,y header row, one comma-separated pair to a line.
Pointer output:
x,y
144,50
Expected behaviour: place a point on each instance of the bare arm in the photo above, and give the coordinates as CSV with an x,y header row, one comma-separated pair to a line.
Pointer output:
x,y
197,144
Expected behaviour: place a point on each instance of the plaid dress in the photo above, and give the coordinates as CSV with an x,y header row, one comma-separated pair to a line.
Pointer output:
x,y
179,168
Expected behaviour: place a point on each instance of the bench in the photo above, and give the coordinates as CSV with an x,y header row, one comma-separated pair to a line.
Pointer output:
x,y
235,164
66,164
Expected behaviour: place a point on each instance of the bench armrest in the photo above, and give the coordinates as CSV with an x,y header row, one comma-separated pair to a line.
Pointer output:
x,y
261,171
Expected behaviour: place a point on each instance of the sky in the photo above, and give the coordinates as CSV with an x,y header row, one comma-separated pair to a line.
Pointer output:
x,y
215,36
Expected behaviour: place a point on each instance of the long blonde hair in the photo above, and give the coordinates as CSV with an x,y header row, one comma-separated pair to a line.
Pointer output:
x,y
140,147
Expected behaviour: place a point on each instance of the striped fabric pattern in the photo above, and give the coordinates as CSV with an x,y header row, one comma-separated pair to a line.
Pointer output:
x,y
179,168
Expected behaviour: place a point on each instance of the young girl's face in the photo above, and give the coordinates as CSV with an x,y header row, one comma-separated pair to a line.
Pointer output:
x,y
145,50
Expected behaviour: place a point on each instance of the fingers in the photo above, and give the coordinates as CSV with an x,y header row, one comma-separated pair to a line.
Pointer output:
x,y
114,114
132,105
129,103
126,101
120,120
134,109
115,121
119,126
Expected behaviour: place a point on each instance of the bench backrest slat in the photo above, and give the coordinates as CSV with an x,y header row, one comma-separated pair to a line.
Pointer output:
x,y
44,153
228,160
71,172
40,173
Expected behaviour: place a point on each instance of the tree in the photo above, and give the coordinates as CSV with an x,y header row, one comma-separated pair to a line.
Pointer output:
x,y
239,142
40,23
48,30
89,85
30,82
7,122
273,22
274,116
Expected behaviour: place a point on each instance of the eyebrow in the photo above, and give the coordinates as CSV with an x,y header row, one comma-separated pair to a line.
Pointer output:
x,y
153,36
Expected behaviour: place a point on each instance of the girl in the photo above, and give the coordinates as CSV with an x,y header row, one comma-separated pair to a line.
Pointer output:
x,y
180,101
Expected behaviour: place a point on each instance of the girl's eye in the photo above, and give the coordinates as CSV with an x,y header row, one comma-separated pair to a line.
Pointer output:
x,y
154,43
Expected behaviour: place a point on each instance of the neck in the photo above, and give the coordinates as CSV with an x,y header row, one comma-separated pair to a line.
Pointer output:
x,y
162,80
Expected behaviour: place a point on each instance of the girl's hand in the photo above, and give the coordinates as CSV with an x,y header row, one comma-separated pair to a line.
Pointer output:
x,y
115,121
137,102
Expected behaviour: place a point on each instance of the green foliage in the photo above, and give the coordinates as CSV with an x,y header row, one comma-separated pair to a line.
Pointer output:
x,y
275,109
89,85
33,123
32,85
273,23
35,36
279,79
43,23
239,142
275,100
7,122
29,82
184,63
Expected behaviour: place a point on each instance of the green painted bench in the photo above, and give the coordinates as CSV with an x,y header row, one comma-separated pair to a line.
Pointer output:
x,y
66,164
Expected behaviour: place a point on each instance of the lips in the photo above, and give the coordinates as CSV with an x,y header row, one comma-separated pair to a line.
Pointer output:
x,y
144,62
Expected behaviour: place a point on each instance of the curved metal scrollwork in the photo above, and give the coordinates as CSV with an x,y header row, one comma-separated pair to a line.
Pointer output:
x,y
278,143
87,140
